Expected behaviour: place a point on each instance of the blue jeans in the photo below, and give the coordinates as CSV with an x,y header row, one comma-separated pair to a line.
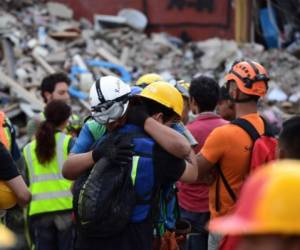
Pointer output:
x,y
199,237
52,231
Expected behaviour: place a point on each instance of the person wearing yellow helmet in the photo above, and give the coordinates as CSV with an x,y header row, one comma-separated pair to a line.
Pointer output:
x,y
266,216
160,104
147,79
183,88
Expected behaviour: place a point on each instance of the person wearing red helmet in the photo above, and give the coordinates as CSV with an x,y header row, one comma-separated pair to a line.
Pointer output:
x,y
229,146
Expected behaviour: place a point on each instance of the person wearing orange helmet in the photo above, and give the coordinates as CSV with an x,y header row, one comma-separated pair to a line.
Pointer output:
x,y
266,216
229,146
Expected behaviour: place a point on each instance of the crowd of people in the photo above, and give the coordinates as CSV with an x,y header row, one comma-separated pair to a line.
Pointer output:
x,y
156,165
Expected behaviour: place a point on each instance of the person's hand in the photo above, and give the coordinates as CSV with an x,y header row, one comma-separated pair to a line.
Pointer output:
x,y
137,114
117,149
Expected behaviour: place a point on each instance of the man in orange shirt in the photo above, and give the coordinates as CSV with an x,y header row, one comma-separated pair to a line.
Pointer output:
x,y
230,146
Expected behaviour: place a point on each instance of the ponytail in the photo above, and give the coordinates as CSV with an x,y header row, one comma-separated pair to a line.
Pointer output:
x,y
56,113
45,142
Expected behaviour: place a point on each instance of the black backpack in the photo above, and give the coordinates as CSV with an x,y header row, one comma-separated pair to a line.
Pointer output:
x,y
104,199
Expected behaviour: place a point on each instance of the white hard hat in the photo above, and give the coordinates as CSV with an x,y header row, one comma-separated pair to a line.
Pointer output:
x,y
109,99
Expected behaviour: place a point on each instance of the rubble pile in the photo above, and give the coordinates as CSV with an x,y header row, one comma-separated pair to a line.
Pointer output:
x,y
41,38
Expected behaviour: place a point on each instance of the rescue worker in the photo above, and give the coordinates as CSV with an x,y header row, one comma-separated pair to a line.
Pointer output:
x,y
81,155
183,88
53,87
229,146
193,198
92,130
266,216
49,211
147,79
163,103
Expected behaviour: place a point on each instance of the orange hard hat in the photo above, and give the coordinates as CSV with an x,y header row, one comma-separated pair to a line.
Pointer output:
x,y
269,203
251,77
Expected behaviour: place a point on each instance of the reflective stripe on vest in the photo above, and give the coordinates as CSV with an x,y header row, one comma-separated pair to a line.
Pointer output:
x,y
50,191
135,162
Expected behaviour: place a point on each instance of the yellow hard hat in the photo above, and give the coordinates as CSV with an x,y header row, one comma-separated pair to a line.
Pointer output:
x,y
269,203
165,94
147,79
183,88
7,238
7,197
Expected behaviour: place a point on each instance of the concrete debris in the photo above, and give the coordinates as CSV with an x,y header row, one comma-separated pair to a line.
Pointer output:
x,y
59,10
134,18
43,38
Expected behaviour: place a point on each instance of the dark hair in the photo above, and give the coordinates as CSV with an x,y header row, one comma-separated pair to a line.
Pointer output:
x,y
50,81
205,91
56,113
289,137
155,107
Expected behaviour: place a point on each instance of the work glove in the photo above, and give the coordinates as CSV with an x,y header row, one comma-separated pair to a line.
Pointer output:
x,y
137,114
117,149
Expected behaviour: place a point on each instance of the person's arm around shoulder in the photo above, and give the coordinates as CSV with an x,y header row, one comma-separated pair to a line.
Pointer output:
x,y
169,139
172,141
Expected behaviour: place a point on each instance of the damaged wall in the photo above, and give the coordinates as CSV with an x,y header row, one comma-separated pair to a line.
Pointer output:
x,y
196,19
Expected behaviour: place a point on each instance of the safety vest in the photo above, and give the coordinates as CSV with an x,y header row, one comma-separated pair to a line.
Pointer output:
x,y
142,172
5,133
50,190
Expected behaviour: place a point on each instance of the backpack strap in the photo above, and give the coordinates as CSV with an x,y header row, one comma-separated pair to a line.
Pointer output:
x,y
247,127
227,187
268,129
254,135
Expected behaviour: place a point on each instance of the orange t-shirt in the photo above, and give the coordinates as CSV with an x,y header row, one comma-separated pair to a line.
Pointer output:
x,y
230,146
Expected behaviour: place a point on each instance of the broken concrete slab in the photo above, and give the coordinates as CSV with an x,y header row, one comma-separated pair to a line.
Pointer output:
x,y
59,10
21,92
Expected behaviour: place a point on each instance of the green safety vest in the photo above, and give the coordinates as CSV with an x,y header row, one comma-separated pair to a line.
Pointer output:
x,y
50,190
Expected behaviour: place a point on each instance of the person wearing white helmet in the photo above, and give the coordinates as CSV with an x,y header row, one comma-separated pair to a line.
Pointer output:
x,y
109,99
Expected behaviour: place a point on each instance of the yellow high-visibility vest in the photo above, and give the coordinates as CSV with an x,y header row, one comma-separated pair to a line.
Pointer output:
x,y
50,190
